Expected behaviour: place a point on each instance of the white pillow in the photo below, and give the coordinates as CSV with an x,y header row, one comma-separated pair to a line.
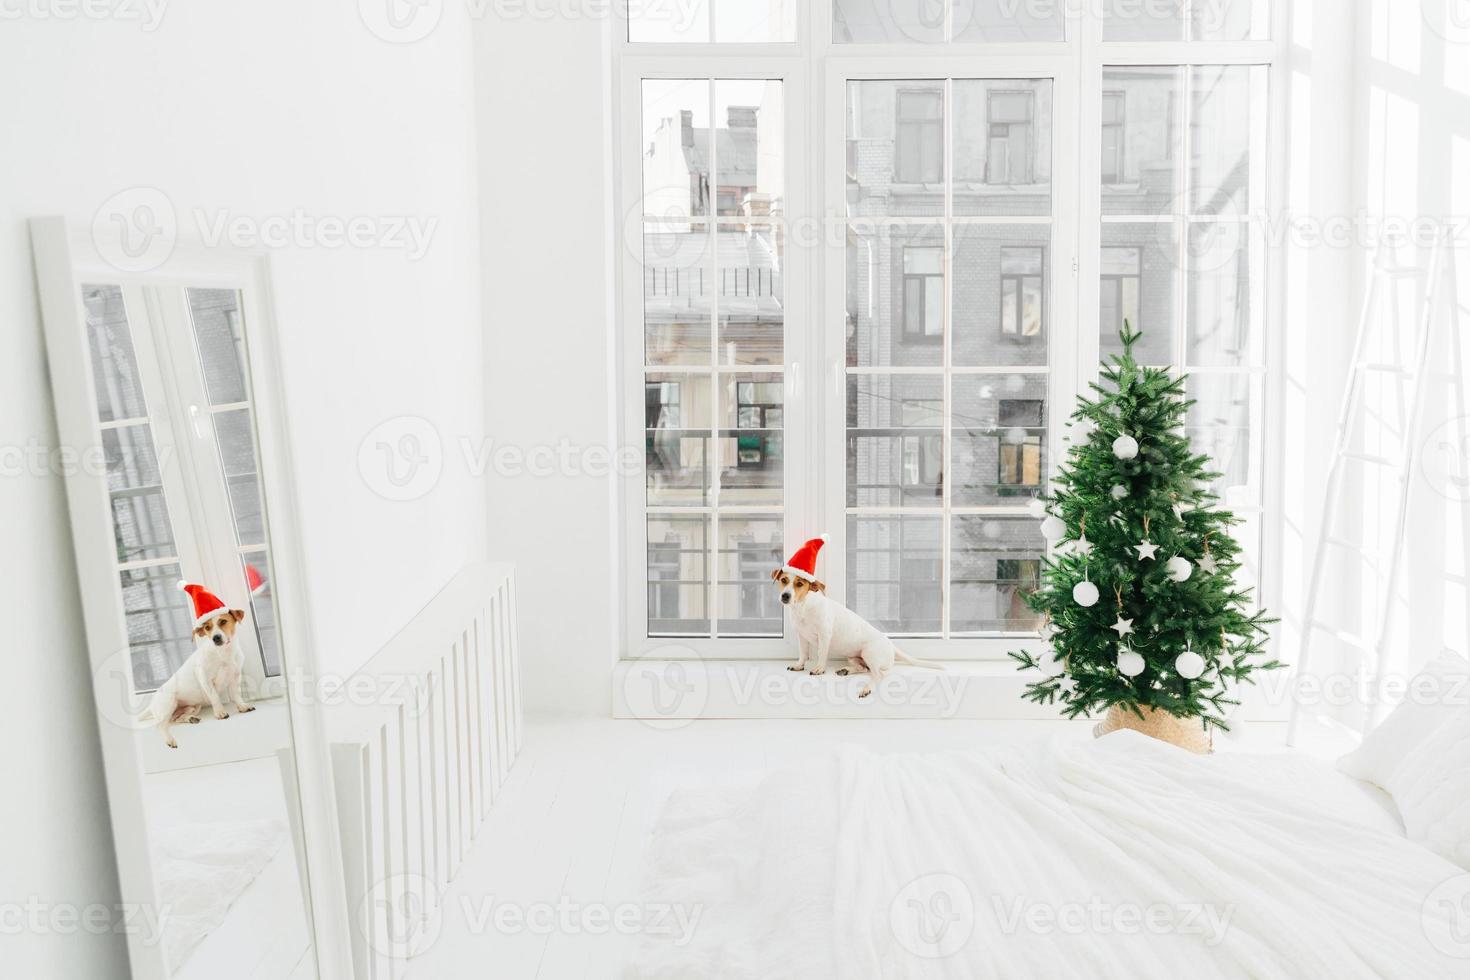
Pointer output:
x,y
1432,791
1420,756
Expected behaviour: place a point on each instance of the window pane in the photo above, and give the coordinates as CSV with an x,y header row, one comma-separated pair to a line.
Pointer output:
x,y
256,566
218,332
999,429
751,299
1008,20
114,367
1140,273
1226,100
1002,146
1143,20
895,148
895,443
233,434
750,444
160,623
749,157
677,294
890,21
999,304
894,570
678,576
140,525
750,548
895,299
995,562
676,140
677,432
1231,20
131,461
1142,140
687,21
1219,424
753,20
1220,294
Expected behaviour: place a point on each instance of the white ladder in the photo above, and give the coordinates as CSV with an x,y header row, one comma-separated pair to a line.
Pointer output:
x,y
1439,297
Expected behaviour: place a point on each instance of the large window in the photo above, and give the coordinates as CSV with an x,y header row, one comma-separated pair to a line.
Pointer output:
x,y
859,293
940,459
713,354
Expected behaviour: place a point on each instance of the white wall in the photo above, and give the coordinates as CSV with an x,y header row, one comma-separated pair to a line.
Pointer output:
x,y
545,192
262,108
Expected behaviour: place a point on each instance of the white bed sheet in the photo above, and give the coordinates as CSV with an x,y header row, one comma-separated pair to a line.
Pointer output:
x,y
1121,857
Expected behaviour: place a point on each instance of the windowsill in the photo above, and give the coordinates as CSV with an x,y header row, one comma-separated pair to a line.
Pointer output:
x,y
672,693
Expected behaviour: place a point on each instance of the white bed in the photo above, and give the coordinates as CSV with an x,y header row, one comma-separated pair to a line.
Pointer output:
x,y
1121,857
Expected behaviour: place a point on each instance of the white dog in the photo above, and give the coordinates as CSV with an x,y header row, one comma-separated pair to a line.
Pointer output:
x,y
212,669
825,628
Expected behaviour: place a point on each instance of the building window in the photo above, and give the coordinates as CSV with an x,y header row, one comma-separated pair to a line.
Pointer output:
x,y
923,293
919,143
1022,424
1122,282
1008,160
1022,292
1113,127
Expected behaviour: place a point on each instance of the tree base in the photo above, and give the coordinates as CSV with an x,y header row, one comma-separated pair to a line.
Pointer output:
x,y
1187,733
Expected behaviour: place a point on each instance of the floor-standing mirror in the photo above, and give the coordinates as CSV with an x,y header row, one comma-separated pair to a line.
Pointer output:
x,y
186,555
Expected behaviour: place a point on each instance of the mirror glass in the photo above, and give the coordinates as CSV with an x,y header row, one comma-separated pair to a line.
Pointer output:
x,y
201,683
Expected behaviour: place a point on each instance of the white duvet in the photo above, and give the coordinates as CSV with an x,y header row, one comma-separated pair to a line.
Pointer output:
x,y
1122,857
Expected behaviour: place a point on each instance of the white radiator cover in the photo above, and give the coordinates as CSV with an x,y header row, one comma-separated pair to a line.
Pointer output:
x,y
418,758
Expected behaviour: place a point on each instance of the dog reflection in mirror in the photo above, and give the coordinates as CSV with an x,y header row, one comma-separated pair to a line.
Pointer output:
x,y
825,628
208,677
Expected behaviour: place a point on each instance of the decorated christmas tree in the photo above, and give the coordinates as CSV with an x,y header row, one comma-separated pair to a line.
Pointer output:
x,y
1142,613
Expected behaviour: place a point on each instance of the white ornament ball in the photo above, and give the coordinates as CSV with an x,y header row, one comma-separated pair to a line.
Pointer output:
x,y
1037,508
1189,665
1125,447
1085,594
1015,435
1053,528
1130,663
1015,383
1179,569
1119,491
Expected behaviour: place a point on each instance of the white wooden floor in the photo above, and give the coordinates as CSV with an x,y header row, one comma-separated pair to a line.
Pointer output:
x,y
569,827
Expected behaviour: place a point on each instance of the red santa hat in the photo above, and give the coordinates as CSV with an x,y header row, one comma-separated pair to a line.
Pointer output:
x,y
803,564
253,580
207,605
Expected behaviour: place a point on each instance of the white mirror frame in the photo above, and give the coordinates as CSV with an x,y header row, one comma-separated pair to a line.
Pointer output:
x,y
64,259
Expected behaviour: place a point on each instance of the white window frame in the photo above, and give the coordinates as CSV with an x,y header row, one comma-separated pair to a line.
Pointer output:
x,y
814,71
